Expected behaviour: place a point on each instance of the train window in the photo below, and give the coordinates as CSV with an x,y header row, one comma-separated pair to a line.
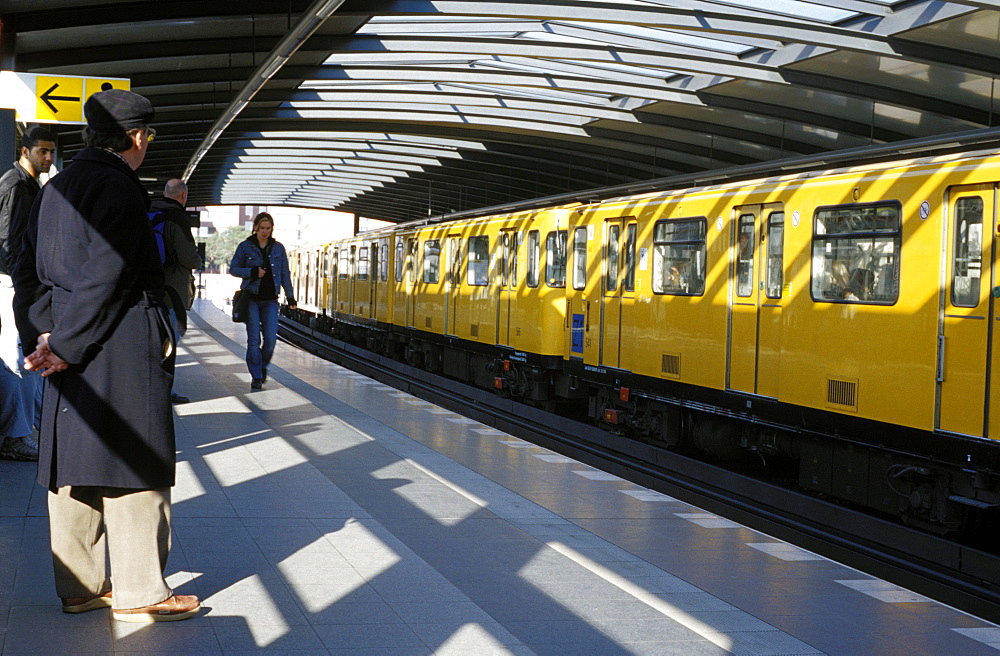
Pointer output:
x,y
534,255
454,277
628,282
555,258
344,262
505,250
432,260
856,253
383,261
363,263
774,273
479,261
399,261
579,258
611,258
967,267
745,255
515,242
679,254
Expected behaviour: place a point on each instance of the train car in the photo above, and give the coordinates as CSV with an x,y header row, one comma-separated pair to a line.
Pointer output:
x,y
844,320
469,297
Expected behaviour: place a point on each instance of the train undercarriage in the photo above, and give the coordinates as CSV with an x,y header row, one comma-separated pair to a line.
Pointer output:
x,y
893,471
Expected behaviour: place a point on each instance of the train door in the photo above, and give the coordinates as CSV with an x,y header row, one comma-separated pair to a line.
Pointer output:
x,y
380,251
612,289
352,279
317,272
307,256
755,299
453,283
363,286
507,289
324,301
587,294
968,348
300,275
993,381
411,281
373,255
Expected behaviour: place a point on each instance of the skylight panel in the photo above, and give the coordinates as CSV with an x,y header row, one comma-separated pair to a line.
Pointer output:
x,y
487,26
562,96
793,9
733,47
604,70
659,73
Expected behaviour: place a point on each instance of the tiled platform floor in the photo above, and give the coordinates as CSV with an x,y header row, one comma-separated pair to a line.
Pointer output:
x,y
330,514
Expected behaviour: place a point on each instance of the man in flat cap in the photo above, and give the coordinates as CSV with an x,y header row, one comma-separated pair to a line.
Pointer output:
x,y
89,296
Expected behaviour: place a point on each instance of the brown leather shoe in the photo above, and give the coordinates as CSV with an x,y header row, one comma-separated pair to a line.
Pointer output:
x,y
177,607
83,604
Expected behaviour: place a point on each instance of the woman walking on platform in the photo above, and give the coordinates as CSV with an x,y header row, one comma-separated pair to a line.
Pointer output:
x,y
262,263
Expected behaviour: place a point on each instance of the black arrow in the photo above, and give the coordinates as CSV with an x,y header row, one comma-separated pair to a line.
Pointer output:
x,y
47,99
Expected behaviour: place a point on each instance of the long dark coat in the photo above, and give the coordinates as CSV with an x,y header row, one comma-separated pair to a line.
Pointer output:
x,y
91,276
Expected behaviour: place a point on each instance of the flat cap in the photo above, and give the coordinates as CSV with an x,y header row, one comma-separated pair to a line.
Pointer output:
x,y
117,109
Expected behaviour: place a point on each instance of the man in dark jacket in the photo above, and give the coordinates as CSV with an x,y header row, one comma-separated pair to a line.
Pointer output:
x,y
181,257
90,293
18,189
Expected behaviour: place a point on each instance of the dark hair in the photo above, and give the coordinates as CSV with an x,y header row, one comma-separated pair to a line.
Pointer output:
x,y
31,138
117,140
263,216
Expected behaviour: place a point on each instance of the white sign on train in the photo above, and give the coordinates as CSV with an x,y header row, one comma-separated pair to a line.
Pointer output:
x,y
41,98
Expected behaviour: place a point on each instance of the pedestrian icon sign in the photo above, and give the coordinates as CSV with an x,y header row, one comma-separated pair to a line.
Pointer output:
x,y
52,98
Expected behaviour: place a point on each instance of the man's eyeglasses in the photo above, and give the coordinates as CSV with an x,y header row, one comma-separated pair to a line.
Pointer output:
x,y
150,134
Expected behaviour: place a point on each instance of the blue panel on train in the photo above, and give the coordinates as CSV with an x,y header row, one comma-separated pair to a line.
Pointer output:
x,y
577,344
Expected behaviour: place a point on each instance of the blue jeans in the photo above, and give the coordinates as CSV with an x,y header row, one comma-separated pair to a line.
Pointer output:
x,y
262,335
21,392
14,422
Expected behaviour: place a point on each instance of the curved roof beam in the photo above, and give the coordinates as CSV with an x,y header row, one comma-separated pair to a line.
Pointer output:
x,y
318,12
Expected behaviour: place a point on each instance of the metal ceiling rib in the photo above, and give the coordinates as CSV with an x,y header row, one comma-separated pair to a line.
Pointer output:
x,y
400,109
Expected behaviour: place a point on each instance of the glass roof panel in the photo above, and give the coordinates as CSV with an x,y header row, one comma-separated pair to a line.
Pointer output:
x,y
668,36
541,94
659,73
602,70
794,9
542,35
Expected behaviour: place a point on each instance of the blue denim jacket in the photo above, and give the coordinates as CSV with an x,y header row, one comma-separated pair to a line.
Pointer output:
x,y
248,256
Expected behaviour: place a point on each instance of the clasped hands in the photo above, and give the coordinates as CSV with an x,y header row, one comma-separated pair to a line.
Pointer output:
x,y
43,359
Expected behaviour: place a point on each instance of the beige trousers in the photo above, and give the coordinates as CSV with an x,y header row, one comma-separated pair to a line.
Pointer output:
x,y
135,527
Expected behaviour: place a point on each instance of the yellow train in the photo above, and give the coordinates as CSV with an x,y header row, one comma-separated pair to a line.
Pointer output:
x,y
847,320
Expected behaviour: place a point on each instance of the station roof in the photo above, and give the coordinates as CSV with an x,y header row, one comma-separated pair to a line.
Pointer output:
x,y
402,109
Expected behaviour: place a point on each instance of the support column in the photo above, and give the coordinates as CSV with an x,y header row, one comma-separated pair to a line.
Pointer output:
x,y
8,125
8,138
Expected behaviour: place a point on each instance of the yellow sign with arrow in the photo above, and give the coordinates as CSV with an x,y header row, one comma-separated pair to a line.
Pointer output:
x,y
51,98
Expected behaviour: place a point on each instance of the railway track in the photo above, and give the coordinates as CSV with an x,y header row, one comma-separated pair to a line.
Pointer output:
x,y
937,567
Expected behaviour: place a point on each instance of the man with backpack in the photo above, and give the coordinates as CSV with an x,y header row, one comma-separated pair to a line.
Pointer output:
x,y
178,254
